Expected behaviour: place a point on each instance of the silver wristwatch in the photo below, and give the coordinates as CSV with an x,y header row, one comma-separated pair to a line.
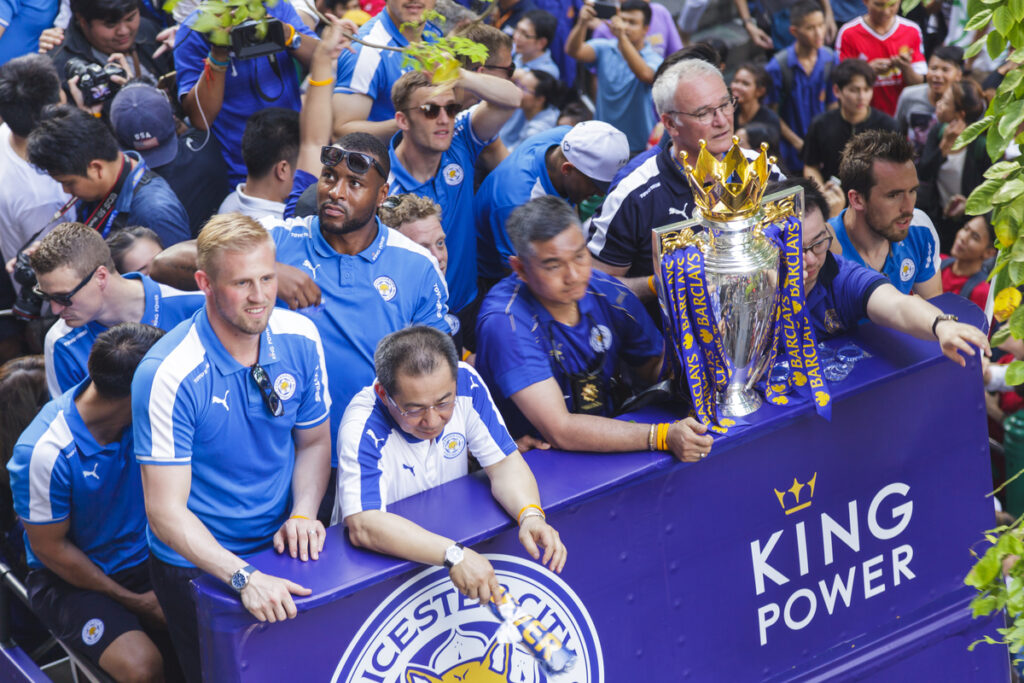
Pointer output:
x,y
453,555
240,579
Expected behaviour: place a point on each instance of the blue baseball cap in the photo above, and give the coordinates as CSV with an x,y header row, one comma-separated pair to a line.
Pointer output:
x,y
143,122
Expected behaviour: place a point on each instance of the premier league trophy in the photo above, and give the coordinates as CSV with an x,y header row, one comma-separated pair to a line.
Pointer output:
x,y
730,284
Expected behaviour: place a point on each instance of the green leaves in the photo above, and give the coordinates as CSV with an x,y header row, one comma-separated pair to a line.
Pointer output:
x,y
1015,376
979,20
1011,118
980,200
1001,169
973,131
1011,189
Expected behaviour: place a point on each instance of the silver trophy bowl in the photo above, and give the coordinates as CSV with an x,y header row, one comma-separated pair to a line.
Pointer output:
x,y
741,267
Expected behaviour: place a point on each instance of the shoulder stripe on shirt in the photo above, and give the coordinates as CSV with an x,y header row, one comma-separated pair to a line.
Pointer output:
x,y
288,322
54,441
369,59
174,368
598,226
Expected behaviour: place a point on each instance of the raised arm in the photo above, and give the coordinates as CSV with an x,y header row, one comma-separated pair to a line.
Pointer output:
x,y
315,119
575,44
641,69
499,99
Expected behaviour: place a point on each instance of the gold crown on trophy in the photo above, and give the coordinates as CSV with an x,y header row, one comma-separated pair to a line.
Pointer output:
x,y
729,189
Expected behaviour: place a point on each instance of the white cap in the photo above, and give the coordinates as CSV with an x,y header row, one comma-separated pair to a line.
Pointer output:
x,y
597,149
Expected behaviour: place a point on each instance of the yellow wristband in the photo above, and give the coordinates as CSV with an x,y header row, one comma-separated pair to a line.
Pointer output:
x,y
96,114
326,81
299,517
663,436
291,36
650,283
519,517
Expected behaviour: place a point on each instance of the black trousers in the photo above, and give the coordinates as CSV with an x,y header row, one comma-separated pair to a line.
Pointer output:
x,y
171,585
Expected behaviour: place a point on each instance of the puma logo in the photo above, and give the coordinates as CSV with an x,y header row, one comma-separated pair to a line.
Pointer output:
x,y
312,269
472,382
87,473
376,442
678,212
412,471
223,401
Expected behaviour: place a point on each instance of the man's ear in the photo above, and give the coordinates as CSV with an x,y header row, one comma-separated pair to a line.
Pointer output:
x,y
203,281
517,266
835,91
94,170
402,120
856,200
283,170
379,390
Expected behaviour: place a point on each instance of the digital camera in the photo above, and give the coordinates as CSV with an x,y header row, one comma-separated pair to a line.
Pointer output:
x,y
257,38
94,80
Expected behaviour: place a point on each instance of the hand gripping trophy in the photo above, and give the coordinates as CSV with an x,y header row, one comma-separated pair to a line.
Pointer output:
x,y
730,285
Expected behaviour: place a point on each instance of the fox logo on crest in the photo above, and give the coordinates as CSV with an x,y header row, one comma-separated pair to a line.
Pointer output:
x,y
491,667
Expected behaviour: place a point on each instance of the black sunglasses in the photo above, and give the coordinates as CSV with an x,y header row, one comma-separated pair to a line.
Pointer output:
x,y
508,70
432,111
270,397
394,201
64,299
357,162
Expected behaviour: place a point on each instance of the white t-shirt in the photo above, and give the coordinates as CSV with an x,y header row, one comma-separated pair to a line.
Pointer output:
x,y
28,198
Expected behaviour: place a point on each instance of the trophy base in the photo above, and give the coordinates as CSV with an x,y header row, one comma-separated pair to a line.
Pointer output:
x,y
739,402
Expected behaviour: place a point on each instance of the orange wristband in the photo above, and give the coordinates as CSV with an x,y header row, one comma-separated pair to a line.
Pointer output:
x,y
326,81
299,517
663,436
650,283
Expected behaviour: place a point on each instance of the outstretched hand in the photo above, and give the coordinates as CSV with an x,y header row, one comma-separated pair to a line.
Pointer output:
x,y
955,337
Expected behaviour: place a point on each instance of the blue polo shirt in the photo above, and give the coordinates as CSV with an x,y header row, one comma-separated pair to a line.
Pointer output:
x,y
839,299
194,404
810,95
66,349
522,176
452,188
390,285
622,100
60,473
249,86
911,260
373,72
541,63
520,344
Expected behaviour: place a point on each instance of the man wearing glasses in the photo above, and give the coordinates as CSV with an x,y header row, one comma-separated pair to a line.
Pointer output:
x,y
435,151
840,293
76,274
694,104
231,430
412,430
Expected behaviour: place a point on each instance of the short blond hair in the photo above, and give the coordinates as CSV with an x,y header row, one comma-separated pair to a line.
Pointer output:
x,y
228,232
74,245
406,85
398,210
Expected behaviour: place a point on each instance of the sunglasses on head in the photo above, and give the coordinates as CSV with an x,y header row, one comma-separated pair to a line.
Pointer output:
x,y
432,111
270,398
64,299
357,162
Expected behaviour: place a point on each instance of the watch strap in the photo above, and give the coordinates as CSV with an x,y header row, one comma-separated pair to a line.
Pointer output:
x,y
941,318
448,564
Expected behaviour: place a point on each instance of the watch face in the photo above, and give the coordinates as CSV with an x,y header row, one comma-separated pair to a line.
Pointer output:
x,y
453,555
238,580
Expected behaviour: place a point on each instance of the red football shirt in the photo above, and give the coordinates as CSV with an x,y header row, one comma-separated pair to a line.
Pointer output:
x,y
857,39
953,283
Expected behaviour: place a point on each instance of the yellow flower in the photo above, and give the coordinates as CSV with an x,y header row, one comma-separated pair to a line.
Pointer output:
x,y
1006,302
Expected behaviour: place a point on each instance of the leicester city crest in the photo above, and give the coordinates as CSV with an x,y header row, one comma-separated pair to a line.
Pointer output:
x,y
453,444
385,286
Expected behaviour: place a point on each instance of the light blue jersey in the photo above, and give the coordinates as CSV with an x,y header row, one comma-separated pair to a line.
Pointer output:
x,y
622,100
452,188
390,285
372,72
911,260
66,349
59,472
194,404
381,463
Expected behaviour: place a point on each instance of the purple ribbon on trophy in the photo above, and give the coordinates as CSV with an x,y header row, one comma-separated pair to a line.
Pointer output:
x,y
519,626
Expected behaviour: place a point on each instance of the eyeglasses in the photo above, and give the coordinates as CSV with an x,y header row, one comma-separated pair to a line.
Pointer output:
x,y
441,407
432,111
820,247
394,201
64,299
707,115
357,162
270,398
508,70
523,34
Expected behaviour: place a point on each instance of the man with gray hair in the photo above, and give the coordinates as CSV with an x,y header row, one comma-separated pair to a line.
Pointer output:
x,y
694,104
412,430
552,336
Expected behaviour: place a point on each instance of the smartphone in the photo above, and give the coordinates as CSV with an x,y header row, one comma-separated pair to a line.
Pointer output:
x,y
606,10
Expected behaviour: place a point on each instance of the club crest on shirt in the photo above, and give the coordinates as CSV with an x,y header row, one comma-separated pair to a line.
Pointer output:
x,y
284,385
453,444
92,631
385,286
453,174
453,322
907,270
600,338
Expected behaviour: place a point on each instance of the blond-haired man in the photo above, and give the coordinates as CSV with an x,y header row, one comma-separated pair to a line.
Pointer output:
x,y
232,434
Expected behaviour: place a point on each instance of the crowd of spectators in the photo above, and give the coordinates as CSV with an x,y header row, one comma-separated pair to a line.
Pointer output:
x,y
284,207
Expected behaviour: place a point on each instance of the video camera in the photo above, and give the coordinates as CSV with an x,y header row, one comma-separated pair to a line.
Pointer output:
x,y
257,38
94,80
28,305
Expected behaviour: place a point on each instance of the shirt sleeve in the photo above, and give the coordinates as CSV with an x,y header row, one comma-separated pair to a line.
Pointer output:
x,y
486,435
612,236
316,398
432,306
190,49
928,244
160,210
853,286
361,484
40,483
62,368
774,94
641,339
301,181
512,353
8,10
164,416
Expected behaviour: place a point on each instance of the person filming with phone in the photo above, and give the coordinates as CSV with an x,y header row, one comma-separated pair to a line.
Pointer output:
x,y
625,67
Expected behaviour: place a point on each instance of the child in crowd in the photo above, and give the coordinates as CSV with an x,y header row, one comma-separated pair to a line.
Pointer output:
x,y
749,85
800,78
